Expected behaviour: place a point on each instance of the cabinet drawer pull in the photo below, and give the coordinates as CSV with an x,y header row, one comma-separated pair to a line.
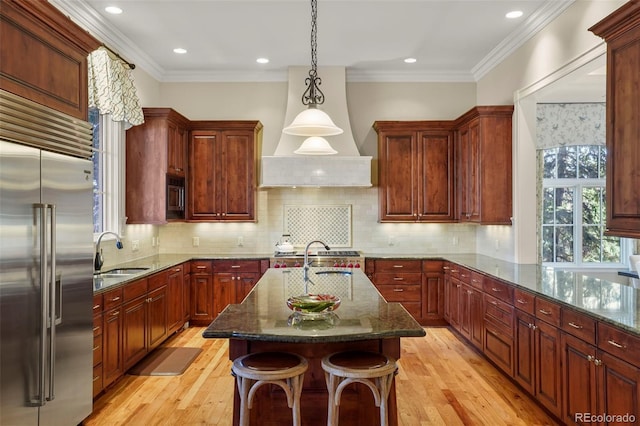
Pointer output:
x,y
616,344
574,325
96,307
543,312
455,271
494,303
458,285
201,267
521,301
235,266
475,281
177,270
115,313
95,348
398,266
496,290
115,299
398,290
96,328
492,332
446,268
398,279
95,379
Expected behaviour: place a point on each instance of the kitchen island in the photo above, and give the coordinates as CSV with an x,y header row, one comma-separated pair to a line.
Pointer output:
x,y
363,321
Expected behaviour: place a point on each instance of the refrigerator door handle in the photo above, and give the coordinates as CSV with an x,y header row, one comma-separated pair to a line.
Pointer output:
x,y
40,211
53,321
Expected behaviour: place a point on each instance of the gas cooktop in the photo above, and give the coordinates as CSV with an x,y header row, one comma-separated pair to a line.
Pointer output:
x,y
329,253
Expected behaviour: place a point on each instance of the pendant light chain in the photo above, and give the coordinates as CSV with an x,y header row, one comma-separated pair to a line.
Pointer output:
x,y
313,95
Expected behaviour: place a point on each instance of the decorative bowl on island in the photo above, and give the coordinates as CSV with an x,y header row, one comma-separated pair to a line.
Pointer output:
x,y
313,303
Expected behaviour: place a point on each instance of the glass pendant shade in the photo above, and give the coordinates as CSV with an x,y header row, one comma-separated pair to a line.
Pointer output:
x,y
315,145
312,122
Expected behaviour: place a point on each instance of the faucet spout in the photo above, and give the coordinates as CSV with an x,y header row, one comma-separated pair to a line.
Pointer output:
x,y
305,269
99,261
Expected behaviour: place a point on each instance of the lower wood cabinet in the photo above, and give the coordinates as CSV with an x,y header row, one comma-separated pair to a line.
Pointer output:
x,y
201,292
175,298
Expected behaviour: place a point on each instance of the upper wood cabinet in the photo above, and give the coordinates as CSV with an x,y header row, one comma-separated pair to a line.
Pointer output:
x,y
50,67
222,170
415,171
484,165
621,31
155,150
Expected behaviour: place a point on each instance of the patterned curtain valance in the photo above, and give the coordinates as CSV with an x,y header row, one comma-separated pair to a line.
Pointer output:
x,y
570,124
111,89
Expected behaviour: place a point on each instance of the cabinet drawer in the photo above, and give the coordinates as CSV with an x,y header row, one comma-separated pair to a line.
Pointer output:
x,y
476,280
499,313
579,325
135,289
464,275
400,293
97,350
201,267
158,280
412,278
619,343
524,301
98,303
97,325
236,266
548,311
499,347
399,265
498,289
432,265
98,381
112,298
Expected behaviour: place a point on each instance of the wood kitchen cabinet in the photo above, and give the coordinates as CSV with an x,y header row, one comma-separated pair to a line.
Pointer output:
x,y
98,348
112,362
621,31
399,280
175,297
415,171
222,170
156,151
50,67
432,292
484,146
186,292
232,281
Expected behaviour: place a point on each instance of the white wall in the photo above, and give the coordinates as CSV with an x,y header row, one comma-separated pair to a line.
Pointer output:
x,y
561,42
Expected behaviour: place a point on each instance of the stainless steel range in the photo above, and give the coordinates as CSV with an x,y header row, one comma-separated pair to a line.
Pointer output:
x,y
331,258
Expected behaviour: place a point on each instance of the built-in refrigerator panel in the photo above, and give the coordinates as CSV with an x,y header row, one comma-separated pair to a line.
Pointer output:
x,y
46,275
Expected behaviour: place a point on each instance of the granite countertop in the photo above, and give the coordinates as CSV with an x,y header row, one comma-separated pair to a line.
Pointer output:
x,y
605,295
362,315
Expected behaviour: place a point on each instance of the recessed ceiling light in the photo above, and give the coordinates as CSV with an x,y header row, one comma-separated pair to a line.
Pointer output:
x,y
179,50
114,10
262,60
514,14
411,60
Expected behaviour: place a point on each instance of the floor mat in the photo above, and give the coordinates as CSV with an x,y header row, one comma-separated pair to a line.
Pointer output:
x,y
167,361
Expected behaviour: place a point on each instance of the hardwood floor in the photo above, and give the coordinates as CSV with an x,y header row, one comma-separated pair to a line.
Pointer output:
x,y
441,382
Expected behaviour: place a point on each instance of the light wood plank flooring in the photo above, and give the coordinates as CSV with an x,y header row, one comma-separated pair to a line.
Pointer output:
x,y
441,382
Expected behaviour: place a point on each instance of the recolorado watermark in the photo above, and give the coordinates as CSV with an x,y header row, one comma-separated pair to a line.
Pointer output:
x,y
604,418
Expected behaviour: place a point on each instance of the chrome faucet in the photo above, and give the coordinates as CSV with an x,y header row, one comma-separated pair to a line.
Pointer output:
x,y
99,261
305,269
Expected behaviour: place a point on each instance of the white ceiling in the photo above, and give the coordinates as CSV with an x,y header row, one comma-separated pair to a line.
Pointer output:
x,y
452,40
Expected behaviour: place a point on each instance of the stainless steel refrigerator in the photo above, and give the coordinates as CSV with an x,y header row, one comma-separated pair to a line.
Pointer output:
x,y
46,244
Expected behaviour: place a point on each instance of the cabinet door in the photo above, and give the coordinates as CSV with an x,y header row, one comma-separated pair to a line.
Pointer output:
x,y
224,284
157,329
548,361
464,313
578,378
201,298
112,363
176,150
524,365
454,302
186,298
244,284
134,341
619,385
435,179
432,297
204,178
398,171
476,318
175,295
238,184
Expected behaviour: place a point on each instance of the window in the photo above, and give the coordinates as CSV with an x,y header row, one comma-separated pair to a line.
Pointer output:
x,y
573,208
108,172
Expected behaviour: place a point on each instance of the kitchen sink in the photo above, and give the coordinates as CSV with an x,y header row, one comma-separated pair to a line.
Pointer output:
x,y
120,272
346,273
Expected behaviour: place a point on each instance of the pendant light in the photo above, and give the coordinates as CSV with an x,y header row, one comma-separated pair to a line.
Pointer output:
x,y
313,121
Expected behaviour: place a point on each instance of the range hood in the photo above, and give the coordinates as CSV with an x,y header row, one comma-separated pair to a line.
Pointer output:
x,y
347,168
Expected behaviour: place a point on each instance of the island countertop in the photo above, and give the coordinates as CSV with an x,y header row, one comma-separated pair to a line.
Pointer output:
x,y
362,315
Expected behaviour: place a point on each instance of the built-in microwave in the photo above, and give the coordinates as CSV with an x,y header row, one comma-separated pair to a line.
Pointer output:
x,y
175,197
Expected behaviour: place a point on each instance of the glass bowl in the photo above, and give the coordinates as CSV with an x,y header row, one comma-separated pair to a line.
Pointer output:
x,y
313,303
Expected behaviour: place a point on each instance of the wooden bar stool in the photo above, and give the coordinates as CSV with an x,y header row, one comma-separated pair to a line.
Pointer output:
x,y
372,369
278,368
